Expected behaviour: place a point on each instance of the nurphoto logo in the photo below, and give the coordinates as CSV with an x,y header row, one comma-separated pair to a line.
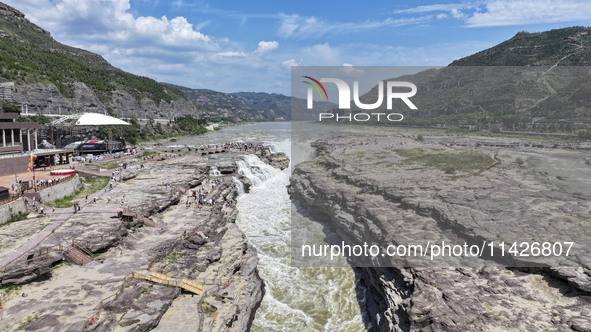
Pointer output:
x,y
344,99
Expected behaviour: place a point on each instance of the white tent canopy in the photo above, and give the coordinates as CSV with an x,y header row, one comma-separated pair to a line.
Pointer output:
x,y
97,119
88,119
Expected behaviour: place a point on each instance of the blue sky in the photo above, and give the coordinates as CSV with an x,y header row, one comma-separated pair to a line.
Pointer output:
x,y
235,46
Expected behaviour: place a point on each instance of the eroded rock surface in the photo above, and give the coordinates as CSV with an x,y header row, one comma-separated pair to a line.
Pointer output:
x,y
390,189
200,243
278,160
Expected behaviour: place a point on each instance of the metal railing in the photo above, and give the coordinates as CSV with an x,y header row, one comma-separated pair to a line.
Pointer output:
x,y
45,185
37,188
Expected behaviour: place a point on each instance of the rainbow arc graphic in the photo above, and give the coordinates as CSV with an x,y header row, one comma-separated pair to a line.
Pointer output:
x,y
316,87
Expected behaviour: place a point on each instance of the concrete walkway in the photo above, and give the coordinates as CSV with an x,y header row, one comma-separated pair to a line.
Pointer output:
x,y
60,216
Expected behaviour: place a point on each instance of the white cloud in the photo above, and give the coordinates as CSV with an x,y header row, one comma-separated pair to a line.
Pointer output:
x,y
180,51
110,22
322,55
521,12
290,63
455,10
231,54
167,49
289,25
266,47
448,7
491,13
350,69
296,26
456,13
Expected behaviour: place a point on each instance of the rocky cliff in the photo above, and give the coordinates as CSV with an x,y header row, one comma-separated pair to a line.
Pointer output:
x,y
533,80
566,45
247,106
54,78
387,189
199,243
45,98
278,159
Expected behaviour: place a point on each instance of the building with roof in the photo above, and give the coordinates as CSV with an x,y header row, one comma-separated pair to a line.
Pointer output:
x,y
18,141
16,137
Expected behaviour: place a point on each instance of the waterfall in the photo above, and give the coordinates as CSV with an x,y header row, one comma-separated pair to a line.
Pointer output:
x,y
239,186
213,171
255,170
280,146
296,298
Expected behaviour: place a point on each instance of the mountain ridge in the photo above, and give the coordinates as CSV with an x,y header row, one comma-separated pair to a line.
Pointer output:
x,y
533,80
241,106
51,77
535,49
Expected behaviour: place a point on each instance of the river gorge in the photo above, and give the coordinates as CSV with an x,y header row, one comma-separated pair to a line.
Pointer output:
x,y
238,264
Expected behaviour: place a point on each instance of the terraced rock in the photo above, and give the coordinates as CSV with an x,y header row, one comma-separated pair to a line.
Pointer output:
x,y
386,189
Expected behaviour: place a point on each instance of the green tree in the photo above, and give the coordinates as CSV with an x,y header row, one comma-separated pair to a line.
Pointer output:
x,y
10,107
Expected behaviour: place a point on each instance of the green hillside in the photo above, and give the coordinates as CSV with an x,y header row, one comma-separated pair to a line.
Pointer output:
x,y
30,55
568,46
245,106
532,81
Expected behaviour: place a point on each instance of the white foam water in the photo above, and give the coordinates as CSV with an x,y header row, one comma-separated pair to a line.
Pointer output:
x,y
296,299
256,170
213,171
239,186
